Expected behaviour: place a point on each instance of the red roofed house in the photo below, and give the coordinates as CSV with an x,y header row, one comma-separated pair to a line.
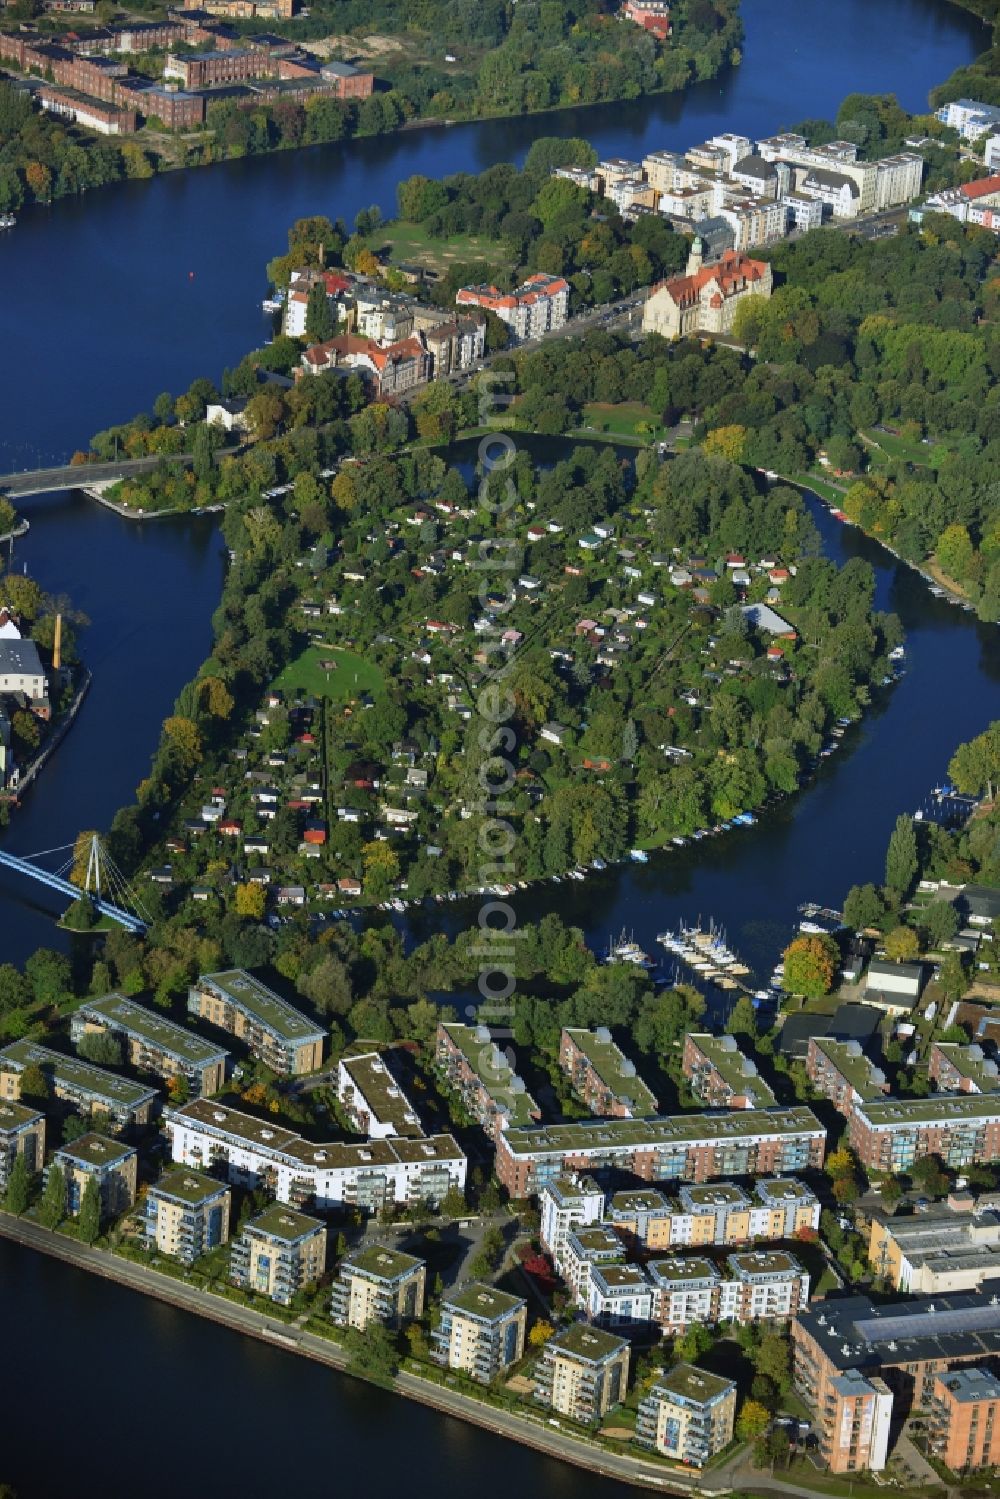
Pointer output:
x,y
540,303
705,298
652,15
395,368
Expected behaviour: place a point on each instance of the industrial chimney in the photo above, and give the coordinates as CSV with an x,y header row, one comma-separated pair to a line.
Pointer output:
x,y
57,645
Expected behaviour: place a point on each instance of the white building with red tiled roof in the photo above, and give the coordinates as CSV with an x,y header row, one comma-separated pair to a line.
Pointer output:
x,y
705,298
538,305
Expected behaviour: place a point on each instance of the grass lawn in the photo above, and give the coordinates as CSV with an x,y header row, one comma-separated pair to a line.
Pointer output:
x,y
885,447
622,419
411,242
351,677
822,487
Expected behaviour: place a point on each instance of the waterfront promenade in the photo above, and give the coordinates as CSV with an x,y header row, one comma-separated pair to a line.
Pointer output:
x,y
538,1433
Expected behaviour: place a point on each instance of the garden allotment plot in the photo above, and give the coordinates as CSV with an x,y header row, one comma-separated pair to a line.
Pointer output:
x,y
327,671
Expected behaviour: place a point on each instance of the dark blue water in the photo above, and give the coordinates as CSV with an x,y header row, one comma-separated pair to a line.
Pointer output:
x,y
100,312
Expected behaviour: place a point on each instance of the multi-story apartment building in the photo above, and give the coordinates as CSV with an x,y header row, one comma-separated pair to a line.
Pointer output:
x,y
716,1213
841,1348
970,117
186,1214
582,1250
568,1203
112,1165
763,1286
618,1294
456,344
90,1089
275,1032
373,1100
278,1253
367,1174
376,1284
540,304
481,1331
841,1072
721,1076
965,1419
891,1135
603,1076
755,1287
962,1069
22,1133
688,1415
473,1064
199,70
153,1043
937,1251
875,185
93,114
747,1142
686,1289
582,1373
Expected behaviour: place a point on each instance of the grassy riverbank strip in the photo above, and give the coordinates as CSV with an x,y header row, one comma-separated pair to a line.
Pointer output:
x,y
293,1339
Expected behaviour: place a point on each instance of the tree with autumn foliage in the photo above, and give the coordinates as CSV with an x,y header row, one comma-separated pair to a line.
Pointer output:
x,y
810,965
752,1421
540,1333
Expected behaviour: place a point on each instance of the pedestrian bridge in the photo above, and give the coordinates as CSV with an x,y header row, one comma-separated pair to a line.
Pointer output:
x,y
125,918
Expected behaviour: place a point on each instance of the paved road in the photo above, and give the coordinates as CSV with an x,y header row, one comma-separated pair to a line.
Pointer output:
x,y
536,1433
73,475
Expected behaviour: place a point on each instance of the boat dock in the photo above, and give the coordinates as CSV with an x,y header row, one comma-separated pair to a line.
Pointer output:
x,y
707,955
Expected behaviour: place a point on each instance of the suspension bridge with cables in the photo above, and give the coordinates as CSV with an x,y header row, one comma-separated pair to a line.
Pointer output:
x,y
104,882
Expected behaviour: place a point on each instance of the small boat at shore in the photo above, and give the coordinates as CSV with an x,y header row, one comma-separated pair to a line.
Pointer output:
x,y
7,221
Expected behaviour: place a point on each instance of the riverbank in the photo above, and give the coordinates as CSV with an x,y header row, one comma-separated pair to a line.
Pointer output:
x,y
59,731
537,1433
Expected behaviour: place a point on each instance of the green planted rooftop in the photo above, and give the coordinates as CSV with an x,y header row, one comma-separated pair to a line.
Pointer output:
x,y
14,1116
692,1385
71,1073
683,1269
971,1063
847,1058
261,1004
92,1151
614,1070
187,1186
737,1071
494,1072
116,1012
379,1090
483,1302
645,1200
284,1223
678,1130
951,1108
381,1263
582,1341
764,1262
597,1240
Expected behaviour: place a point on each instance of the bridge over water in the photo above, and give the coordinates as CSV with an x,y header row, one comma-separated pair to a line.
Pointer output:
x,y
56,881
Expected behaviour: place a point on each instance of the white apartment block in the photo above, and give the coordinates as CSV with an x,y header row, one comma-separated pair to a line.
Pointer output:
x,y
566,1204
969,117
366,1174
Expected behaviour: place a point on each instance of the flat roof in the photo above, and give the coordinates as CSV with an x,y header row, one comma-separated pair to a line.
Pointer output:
x,y
688,1383
572,1189
14,1116
661,1133
683,1268
854,1067
380,1262
186,1185
620,1277
755,1262
736,1070
386,1100
597,1239
95,1150
585,1342
949,1108
281,1222
643,1200
783,1189
723,1194
262,1004
274,1139
155,1030
614,1069
75,1073
969,1385
504,1086
483,1302
971,1062
854,1333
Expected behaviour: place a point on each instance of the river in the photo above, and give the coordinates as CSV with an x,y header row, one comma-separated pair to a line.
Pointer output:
x,y
99,314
